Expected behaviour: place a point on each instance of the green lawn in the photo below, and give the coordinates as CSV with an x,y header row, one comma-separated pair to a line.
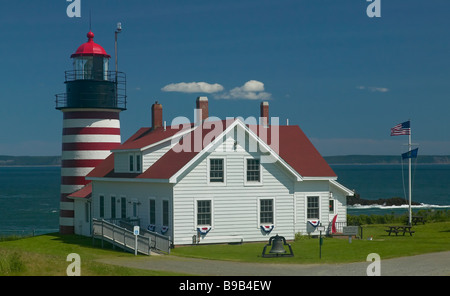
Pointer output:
x,y
46,254
431,237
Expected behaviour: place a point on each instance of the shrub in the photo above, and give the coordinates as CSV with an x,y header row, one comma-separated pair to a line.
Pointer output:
x,y
431,215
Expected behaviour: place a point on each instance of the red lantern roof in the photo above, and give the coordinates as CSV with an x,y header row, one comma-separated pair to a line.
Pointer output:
x,y
90,48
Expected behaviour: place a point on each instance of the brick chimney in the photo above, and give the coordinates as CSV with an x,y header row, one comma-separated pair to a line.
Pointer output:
x,y
264,117
202,105
157,117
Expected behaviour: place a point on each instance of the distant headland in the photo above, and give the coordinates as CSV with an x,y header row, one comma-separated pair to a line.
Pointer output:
x,y
386,159
394,201
6,160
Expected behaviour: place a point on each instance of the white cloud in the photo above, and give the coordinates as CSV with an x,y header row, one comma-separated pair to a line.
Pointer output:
x,y
193,87
374,89
251,90
379,89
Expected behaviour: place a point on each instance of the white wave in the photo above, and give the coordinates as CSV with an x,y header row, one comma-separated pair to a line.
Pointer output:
x,y
405,206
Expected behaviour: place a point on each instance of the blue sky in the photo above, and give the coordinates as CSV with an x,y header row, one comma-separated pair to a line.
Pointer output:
x,y
343,77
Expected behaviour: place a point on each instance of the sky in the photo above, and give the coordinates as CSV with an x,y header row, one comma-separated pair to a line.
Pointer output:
x,y
345,78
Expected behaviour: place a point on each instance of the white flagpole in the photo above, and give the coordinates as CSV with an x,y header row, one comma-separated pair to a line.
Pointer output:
x,y
409,165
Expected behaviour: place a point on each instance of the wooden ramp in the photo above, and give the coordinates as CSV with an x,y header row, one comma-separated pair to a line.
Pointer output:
x,y
121,237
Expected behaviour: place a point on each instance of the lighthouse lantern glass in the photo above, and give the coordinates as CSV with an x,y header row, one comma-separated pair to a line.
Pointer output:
x,y
91,67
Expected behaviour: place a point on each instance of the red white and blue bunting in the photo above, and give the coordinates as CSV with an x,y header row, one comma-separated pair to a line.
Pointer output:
x,y
204,229
314,223
151,227
267,228
164,229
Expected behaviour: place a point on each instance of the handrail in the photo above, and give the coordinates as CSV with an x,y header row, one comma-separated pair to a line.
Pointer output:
x,y
120,236
118,79
61,100
113,76
123,236
160,242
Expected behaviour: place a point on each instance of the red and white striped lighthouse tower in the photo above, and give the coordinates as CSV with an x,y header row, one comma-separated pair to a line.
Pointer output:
x,y
91,127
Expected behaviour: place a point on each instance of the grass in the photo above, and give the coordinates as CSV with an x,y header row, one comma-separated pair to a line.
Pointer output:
x,y
431,237
46,254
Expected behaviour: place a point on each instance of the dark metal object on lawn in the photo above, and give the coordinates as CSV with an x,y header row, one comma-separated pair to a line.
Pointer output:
x,y
277,247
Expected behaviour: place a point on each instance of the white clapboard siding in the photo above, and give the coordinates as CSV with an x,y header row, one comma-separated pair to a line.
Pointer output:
x,y
235,205
151,155
121,162
140,193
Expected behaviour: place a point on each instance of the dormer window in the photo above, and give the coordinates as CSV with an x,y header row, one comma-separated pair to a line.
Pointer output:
x,y
135,162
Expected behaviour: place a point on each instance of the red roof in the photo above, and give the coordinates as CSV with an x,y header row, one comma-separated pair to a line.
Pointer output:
x,y
84,192
294,148
90,48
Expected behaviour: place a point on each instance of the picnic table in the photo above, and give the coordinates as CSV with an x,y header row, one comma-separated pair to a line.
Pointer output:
x,y
416,219
401,228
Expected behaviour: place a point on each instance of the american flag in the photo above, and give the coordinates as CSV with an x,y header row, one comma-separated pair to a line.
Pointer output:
x,y
401,129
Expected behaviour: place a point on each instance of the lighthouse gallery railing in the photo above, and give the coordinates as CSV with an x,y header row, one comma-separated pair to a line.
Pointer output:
x,y
118,78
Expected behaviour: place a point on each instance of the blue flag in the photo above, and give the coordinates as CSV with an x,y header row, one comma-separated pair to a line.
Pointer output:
x,y
410,154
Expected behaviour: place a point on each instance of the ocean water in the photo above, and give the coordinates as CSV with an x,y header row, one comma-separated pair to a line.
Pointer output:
x,y
430,186
29,199
29,196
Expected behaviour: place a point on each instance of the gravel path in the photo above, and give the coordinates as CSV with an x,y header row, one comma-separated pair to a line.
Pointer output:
x,y
433,264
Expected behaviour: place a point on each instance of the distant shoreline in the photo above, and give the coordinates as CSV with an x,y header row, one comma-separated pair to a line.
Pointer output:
x,y
385,159
27,161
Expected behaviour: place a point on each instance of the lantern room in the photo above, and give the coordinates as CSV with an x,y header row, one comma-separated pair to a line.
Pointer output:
x,y
90,84
90,61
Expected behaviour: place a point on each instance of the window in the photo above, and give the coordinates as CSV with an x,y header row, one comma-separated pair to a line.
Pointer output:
x,y
204,212
86,212
131,163
135,162
313,207
102,206
216,170
266,211
152,212
138,163
123,207
165,213
253,170
331,206
113,207
135,209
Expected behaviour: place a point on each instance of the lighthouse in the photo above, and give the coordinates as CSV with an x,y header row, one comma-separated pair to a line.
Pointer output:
x,y
91,106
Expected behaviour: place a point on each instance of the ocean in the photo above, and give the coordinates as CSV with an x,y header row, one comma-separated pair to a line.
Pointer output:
x,y
29,196
430,186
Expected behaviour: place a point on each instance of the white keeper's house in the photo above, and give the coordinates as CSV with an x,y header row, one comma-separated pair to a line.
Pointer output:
x,y
214,181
